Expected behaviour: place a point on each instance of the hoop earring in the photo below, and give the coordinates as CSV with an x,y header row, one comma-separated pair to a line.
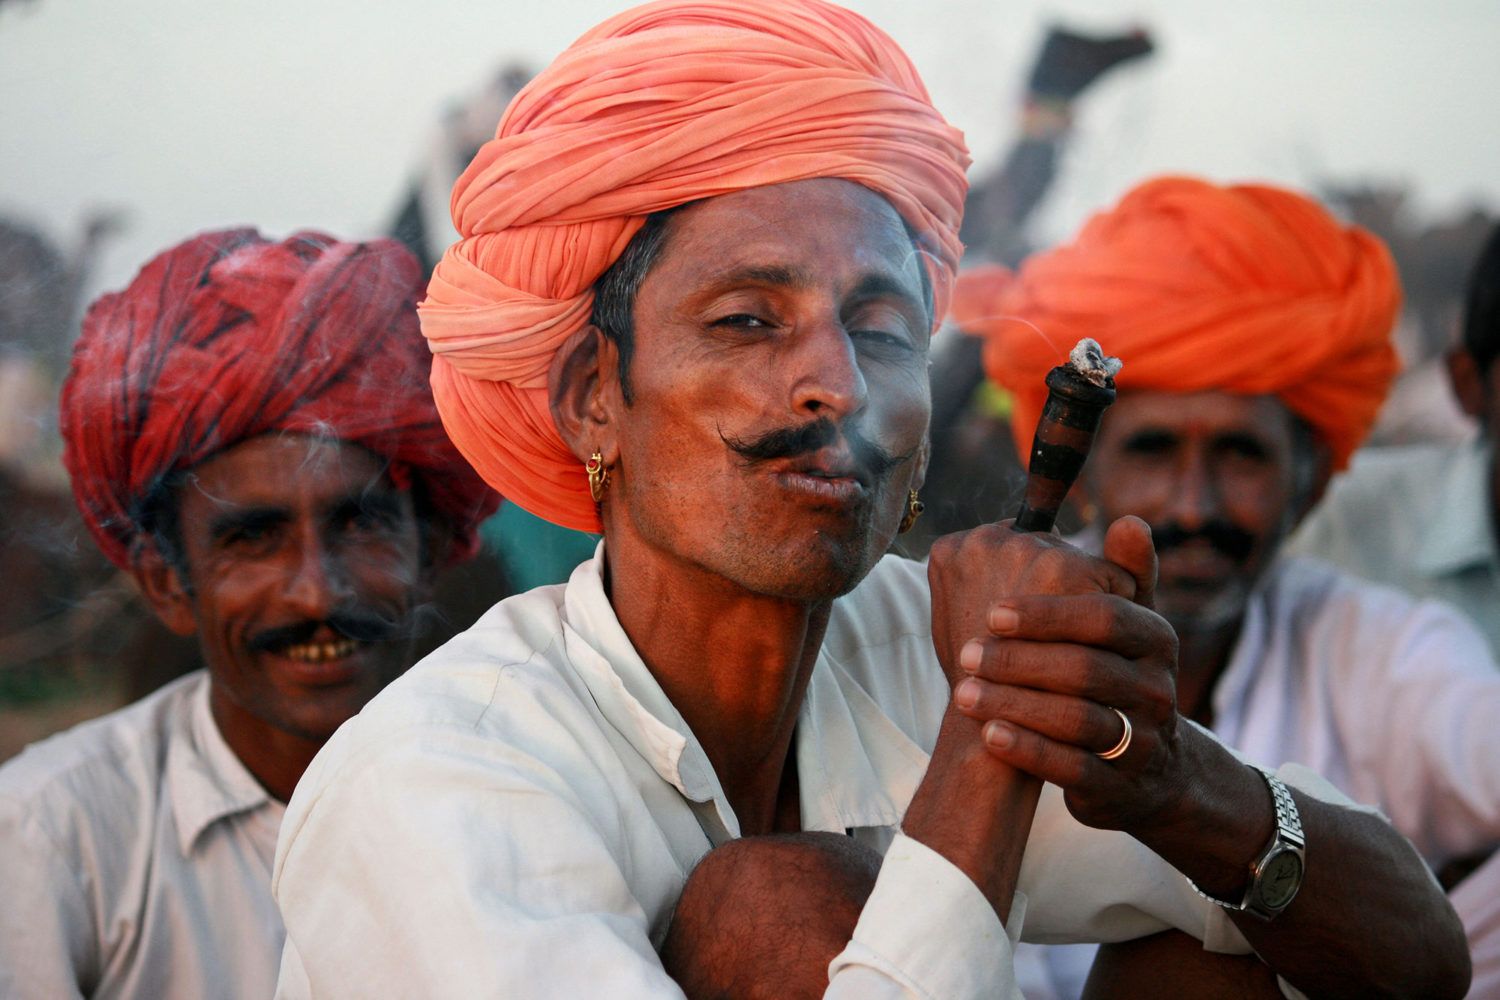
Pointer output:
x,y
914,508
598,476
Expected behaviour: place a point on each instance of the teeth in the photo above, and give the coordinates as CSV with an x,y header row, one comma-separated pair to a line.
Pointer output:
x,y
319,652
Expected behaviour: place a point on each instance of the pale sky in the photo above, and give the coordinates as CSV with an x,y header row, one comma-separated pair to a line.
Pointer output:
x,y
312,114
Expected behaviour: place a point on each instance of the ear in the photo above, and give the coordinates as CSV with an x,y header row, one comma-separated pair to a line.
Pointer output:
x,y
919,463
163,587
1467,382
1316,485
583,391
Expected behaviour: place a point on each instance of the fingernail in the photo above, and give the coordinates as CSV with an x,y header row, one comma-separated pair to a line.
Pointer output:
x,y
999,735
1004,620
970,655
967,693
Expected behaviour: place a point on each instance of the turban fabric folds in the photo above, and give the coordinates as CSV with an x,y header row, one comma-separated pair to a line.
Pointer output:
x,y
1246,289
229,336
662,105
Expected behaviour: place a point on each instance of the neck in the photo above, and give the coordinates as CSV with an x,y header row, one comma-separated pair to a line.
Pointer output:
x,y
735,664
1202,656
273,756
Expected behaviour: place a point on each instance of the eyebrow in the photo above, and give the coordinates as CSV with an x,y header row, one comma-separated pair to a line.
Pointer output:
x,y
229,523
872,285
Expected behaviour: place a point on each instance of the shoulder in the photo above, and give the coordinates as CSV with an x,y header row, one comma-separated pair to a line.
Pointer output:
x,y
1368,622
104,763
1388,483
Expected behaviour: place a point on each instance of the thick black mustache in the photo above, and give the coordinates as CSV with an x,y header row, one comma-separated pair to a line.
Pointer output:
x,y
789,442
359,624
1226,539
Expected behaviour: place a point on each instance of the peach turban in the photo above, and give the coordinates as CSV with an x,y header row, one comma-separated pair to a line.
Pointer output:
x,y
1247,289
662,105
229,336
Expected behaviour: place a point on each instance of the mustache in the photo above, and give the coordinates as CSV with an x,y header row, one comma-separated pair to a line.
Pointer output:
x,y
802,439
1225,538
360,624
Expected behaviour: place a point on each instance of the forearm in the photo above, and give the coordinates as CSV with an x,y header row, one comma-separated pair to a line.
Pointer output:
x,y
1368,921
974,811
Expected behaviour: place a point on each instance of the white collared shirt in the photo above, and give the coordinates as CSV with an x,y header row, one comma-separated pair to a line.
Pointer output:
x,y
1417,517
517,815
135,859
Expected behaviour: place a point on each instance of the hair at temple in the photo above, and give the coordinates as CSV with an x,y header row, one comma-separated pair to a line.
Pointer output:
x,y
616,289
1482,311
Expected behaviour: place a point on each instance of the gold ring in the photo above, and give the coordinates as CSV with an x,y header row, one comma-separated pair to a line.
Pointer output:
x,y
1118,750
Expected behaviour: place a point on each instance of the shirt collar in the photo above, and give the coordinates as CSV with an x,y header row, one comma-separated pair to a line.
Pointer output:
x,y
1459,533
856,768
206,782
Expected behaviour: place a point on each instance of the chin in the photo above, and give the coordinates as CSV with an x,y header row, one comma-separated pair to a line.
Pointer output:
x,y
1195,611
815,573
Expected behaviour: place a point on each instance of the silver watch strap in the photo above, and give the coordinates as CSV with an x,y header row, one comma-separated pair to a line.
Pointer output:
x,y
1288,831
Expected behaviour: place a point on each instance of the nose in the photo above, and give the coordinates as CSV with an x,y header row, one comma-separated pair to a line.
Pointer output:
x,y
317,583
827,379
1195,499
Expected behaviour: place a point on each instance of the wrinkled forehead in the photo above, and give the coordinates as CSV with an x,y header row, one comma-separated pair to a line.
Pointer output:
x,y
1205,411
289,470
825,230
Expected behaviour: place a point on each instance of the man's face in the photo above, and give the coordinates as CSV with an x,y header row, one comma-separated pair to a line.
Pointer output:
x,y
780,393
305,565
1215,476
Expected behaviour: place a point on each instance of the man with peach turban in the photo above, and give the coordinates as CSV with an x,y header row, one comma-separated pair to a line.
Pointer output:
x,y
1255,334
700,264
250,436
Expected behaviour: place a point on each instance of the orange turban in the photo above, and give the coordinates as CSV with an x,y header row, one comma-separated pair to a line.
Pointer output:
x,y
1245,289
229,336
662,105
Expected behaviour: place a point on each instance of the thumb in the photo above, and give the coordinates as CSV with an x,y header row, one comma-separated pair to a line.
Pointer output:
x,y
1128,545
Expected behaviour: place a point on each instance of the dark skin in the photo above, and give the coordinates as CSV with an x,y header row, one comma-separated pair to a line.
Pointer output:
x,y
290,544
777,307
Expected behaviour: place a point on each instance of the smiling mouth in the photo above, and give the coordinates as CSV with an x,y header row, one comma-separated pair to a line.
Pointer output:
x,y
320,652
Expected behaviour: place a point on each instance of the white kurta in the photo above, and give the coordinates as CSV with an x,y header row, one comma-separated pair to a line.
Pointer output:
x,y
1393,700
1417,517
135,860
516,816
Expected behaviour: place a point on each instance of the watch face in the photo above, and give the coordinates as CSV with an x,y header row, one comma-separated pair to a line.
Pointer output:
x,y
1280,879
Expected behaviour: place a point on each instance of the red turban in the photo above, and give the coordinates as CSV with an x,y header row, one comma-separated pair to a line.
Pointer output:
x,y
662,105
1246,289
229,336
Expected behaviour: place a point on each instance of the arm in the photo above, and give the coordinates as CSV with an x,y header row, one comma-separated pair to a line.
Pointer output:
x,y
46,931
1047,679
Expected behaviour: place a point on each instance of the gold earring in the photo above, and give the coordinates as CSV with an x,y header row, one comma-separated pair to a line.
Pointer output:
x,y
598,476
914,508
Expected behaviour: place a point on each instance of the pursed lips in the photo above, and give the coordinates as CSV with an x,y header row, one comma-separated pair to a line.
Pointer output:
x,y
830,474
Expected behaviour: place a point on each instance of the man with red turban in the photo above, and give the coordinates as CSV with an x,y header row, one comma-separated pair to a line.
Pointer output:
x,y
699,268
249,434
1255,333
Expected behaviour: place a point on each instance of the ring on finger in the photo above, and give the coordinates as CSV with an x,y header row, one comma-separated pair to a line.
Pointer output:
x,y
1118,750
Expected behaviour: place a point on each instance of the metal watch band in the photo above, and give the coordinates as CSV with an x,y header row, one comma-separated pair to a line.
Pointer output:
x,y
1287,834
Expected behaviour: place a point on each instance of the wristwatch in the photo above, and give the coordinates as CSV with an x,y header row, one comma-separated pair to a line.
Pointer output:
x,y
1276,874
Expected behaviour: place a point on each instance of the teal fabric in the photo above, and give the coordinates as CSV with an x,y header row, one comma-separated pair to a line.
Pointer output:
x,y
534,552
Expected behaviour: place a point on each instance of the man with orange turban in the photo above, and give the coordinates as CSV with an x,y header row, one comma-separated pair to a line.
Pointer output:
x,y
250,435
1255,334
699,268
